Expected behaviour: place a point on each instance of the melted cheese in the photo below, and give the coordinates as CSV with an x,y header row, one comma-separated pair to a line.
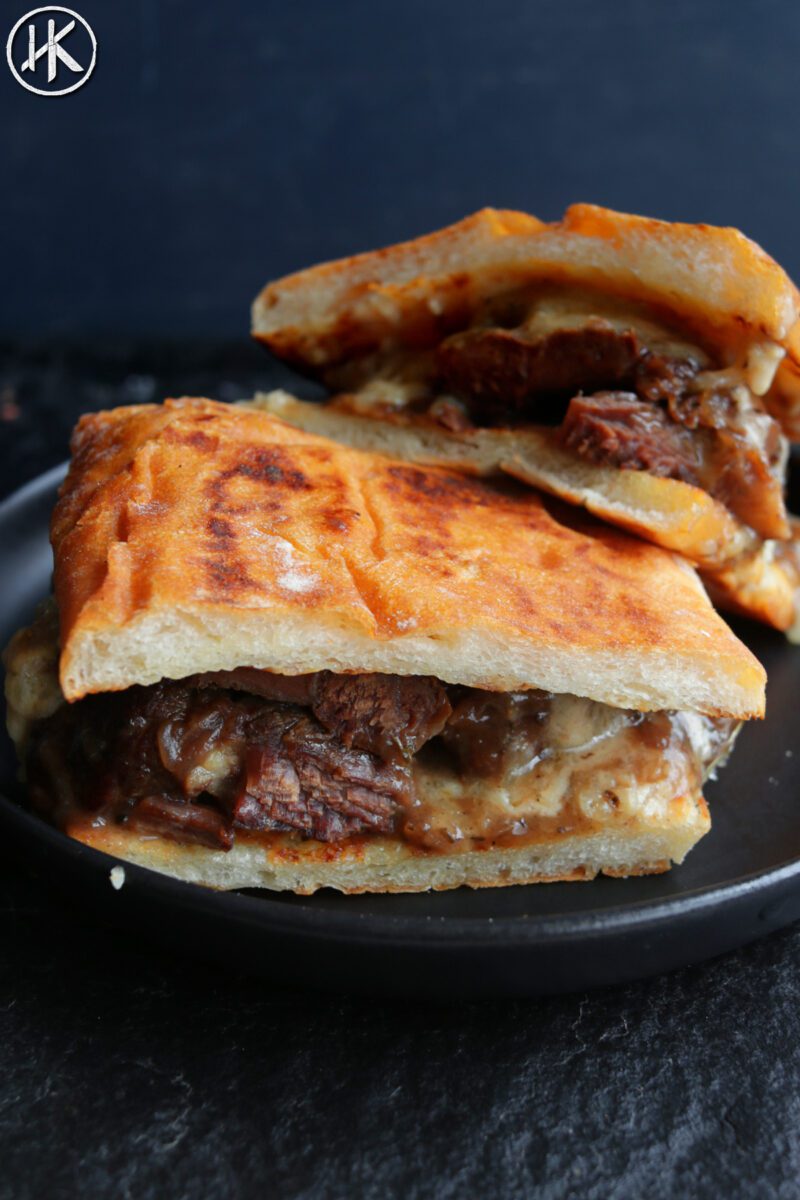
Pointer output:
x,y
573,308
601,766
392,380
761,362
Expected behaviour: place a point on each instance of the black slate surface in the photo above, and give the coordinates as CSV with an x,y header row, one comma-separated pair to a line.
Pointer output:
x,y
128,1073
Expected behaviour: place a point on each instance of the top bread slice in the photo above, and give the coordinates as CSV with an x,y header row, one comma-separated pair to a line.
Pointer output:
x,y
713,281
197,536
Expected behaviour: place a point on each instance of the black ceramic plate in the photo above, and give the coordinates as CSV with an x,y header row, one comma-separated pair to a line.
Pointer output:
x,y
742,881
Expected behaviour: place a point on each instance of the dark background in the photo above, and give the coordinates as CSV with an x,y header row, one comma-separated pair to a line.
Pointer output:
x,y
220,144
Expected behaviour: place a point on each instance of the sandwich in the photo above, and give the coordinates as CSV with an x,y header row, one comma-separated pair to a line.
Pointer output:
x,y
274,661
647,371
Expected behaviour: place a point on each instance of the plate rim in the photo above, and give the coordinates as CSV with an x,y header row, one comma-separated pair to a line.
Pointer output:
x,y
527,928
27,490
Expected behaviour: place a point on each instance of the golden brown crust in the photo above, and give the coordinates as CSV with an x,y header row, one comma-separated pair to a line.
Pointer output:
x,y
763,585
357,324
198,536
715,280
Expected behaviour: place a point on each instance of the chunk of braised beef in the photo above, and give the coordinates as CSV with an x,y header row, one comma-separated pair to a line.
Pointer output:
x,y
389,715
182,820
299,776
661,378
190,763
618,429
287,689
489,732
273,766
392,716
498,373
732,451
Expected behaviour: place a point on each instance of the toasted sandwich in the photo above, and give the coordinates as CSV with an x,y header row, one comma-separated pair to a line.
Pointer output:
x,y
645,370
275,661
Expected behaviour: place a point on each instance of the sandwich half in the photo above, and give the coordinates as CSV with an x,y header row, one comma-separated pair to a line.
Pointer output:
x,y
646,370
275,661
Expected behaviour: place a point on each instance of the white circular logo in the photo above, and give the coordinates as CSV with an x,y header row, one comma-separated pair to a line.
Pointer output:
x,y
37,53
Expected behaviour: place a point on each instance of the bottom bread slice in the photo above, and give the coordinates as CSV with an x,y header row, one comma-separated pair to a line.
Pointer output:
x,y
282,862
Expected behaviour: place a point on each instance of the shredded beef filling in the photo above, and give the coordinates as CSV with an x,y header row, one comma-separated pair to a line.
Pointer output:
x,y
620,430
500,373
620,404
490,731
326,756
388,715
